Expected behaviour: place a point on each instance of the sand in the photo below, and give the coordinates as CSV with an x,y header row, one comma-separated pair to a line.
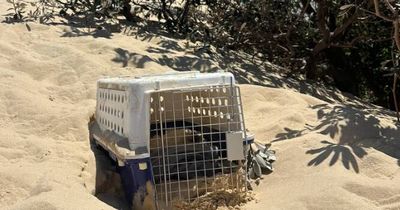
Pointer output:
x,y
333,151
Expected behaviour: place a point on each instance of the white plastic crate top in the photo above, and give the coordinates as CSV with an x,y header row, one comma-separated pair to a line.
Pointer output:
x,y
123,103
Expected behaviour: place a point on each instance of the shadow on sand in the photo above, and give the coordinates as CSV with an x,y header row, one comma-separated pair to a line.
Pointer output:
x,y
353,128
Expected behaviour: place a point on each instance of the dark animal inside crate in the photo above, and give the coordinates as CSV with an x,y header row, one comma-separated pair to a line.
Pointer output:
x,y
195,134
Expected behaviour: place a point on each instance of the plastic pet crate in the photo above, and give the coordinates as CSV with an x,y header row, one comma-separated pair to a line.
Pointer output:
x,y
174,135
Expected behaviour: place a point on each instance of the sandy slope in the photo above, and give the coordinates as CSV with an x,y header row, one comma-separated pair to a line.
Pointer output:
x,y
331,156
333,153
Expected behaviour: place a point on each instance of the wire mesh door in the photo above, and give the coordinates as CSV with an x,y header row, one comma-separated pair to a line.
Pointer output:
x,y
188,145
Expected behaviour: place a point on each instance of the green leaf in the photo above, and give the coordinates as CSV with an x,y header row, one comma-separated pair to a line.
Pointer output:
x,y
242,26
347,6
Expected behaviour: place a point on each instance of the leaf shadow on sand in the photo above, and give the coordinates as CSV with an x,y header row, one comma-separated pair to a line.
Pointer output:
x,y
352,127
345,152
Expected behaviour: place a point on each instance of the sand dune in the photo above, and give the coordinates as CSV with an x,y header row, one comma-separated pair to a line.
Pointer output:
x,y
334,152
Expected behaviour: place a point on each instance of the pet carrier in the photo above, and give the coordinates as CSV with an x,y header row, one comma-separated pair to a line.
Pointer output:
x,y
174,135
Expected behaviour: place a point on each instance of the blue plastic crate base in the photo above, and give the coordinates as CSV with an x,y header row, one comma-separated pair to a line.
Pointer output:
x,y
135,170
137,183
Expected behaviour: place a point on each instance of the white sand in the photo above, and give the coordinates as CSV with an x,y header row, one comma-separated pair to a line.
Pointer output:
x,y
47,94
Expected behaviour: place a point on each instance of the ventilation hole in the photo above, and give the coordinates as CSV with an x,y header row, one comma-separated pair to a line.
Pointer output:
x,y
191,98
119,114
211,89
204,112
122,115
188,108
118,128
224,90
151,110
161,99
151,99
118,98
202,99
187,98
198,111
207,100
122,99
213,101
215,113
217,90
122,130
162,109
226,102
197,99
221,115
209,113
228,116
219,102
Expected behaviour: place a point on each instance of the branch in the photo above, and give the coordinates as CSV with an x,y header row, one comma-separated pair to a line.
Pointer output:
x,y
378,12
348,22
390,7
396,32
